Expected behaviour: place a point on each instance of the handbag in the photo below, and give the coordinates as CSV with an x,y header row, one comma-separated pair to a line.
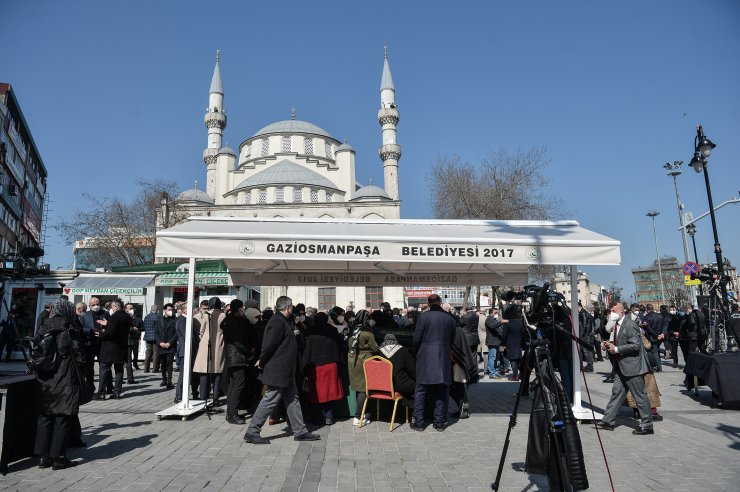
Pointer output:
x,y
85,393
646,343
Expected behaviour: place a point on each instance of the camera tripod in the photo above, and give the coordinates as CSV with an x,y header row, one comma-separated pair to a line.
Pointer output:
x,y
549,394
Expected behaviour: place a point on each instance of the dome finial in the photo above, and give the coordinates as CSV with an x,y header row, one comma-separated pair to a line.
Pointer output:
x,y
371,182
218,55
385,52
195,186
292,113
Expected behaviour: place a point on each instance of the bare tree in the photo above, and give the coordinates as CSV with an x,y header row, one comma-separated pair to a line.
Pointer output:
x,y
115,232
503,186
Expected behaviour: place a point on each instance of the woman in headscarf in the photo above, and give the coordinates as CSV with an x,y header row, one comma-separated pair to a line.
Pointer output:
x,y
404,365
362,346
58,393
320,364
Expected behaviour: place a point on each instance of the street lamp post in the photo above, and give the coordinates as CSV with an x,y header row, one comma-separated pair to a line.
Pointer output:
x,y
674,170
691,229
702,149
652,214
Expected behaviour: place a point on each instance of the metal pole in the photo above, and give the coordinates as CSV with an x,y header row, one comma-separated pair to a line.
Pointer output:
x,y
675,170
652,214
696,259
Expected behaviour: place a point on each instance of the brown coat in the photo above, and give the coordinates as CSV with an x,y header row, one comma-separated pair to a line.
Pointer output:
x,y
210,328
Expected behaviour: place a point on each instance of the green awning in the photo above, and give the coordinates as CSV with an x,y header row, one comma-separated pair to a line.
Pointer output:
x,y
201,278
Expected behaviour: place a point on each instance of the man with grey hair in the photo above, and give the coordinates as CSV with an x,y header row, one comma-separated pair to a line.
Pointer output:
x,y
278,362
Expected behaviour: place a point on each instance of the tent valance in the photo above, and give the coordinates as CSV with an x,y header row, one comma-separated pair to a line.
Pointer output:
x,y
106,284
201,278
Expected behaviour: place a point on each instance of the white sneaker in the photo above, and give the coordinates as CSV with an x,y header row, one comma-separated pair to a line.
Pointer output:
x,y
356,422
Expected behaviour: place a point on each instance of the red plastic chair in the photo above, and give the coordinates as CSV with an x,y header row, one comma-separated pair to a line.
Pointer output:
x,y
379,385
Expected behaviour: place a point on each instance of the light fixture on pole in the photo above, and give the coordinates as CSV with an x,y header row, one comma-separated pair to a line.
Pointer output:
x,y
691,229
674,170
652,214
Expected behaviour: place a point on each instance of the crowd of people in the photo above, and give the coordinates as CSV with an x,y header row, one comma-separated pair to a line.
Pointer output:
x,y
294,361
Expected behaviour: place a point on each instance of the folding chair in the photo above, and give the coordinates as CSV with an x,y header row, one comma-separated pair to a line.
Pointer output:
x,y
379,385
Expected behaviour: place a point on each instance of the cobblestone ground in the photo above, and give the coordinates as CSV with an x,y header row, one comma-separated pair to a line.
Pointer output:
x,y
694,448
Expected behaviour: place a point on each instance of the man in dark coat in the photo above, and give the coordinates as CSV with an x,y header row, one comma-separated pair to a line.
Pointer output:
x,y
278,361
113,347
655,335
469,322
433,337
240,342
167,343
92,329
180,326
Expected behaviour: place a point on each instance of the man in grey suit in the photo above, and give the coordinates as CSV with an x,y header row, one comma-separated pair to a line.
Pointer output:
x,y
626,350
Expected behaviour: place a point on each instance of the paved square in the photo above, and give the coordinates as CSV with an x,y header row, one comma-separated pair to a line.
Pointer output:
x,y
694,448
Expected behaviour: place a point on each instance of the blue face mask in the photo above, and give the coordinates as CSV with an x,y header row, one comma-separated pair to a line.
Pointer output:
x,y
681,313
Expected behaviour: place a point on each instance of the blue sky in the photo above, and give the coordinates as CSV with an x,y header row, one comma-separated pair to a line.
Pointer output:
x,y
115,91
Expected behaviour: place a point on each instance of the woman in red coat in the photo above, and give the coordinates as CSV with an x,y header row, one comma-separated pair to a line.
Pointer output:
x,y
321,365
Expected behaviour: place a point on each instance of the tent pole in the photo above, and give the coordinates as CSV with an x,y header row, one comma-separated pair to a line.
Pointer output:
x,y
576,331
188,337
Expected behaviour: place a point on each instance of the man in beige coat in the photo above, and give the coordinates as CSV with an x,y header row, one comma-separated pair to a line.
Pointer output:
x,y
209,362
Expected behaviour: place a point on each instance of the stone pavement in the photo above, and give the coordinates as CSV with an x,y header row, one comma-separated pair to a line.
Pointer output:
x,y
694,448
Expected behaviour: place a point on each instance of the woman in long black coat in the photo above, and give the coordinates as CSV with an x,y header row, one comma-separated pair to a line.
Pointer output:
x,y
320,363
513,339
58,393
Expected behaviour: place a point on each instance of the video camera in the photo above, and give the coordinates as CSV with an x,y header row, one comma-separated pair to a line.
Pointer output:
x,y
710,276
23,264
537,302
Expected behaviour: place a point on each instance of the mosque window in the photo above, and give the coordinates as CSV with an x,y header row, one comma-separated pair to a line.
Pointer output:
x,y
327,149
285,144
327,298
247,151
314,196
329,197
247,198
297,195
308,146
262,196
265,147
280,195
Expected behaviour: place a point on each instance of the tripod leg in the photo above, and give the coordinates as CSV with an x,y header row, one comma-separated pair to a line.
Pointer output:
x,y
512,424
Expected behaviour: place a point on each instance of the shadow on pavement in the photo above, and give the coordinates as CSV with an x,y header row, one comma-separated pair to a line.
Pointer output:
x,y
113,448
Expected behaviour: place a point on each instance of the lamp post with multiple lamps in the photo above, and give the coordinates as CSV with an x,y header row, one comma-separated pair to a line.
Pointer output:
x,y
691,229
652,214
674,170
702,149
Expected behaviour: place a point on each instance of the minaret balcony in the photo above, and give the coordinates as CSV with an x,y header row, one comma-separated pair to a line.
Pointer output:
x,y
215,120
388,115
390,151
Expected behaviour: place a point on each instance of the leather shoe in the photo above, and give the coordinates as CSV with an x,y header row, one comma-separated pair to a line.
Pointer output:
x,y
604,426
417,427
116,396
45,463
62,463
439,427
163,384
608,380
98,396
256,439
642,432
307,437
657,417
131,381
78,444
236,420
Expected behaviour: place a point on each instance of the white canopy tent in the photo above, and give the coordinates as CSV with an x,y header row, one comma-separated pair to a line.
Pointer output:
x,y
261,251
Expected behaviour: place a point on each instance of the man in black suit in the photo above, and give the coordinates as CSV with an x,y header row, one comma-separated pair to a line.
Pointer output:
x,y
113,348
278,361
630,360
92,328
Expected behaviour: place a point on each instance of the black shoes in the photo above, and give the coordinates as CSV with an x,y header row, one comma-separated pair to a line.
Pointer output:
x,y
642,432
98,396
604,426
255,439
78,444
115,396
307,437
417,427
170,386
588,369
235,419
130,381
163,384
657,418
329,422
62,463
439,427
45,463
608,380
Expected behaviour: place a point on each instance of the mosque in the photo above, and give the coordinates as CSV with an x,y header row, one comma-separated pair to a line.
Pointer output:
x,y
295,169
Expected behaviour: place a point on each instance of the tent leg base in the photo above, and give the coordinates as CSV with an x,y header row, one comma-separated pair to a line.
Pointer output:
x,y
585,414
195,406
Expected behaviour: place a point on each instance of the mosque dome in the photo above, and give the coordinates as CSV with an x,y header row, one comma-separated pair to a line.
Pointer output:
x,y
195,195
370,192
292,126
286,173
226,150
345,146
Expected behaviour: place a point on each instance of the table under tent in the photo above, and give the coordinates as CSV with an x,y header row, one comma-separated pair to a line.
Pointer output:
x,y
334,252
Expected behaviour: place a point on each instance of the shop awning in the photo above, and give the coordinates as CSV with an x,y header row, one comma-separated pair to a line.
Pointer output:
x,y
106,284
201,278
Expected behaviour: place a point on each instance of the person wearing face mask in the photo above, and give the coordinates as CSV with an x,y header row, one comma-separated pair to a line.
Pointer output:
x,y
336,319
239,344
91,327
362,346
299,311
209,362
134,336
167,344
610,322
689,331
113,348
151,322
320,364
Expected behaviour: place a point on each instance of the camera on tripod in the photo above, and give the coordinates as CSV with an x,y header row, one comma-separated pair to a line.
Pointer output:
x,y
710,275
23,264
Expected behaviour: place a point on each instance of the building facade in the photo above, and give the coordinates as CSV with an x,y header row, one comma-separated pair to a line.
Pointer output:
x,y
22,179
648,288
589,292
295,169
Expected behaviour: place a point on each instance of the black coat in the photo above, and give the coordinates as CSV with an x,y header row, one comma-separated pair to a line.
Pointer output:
x,y
435,331
494,331
469,322
463,356
654,325
134,333
180,326
279,352
240,341
674,326
404,369
167,333
58,393
323,346
513,339
114,338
